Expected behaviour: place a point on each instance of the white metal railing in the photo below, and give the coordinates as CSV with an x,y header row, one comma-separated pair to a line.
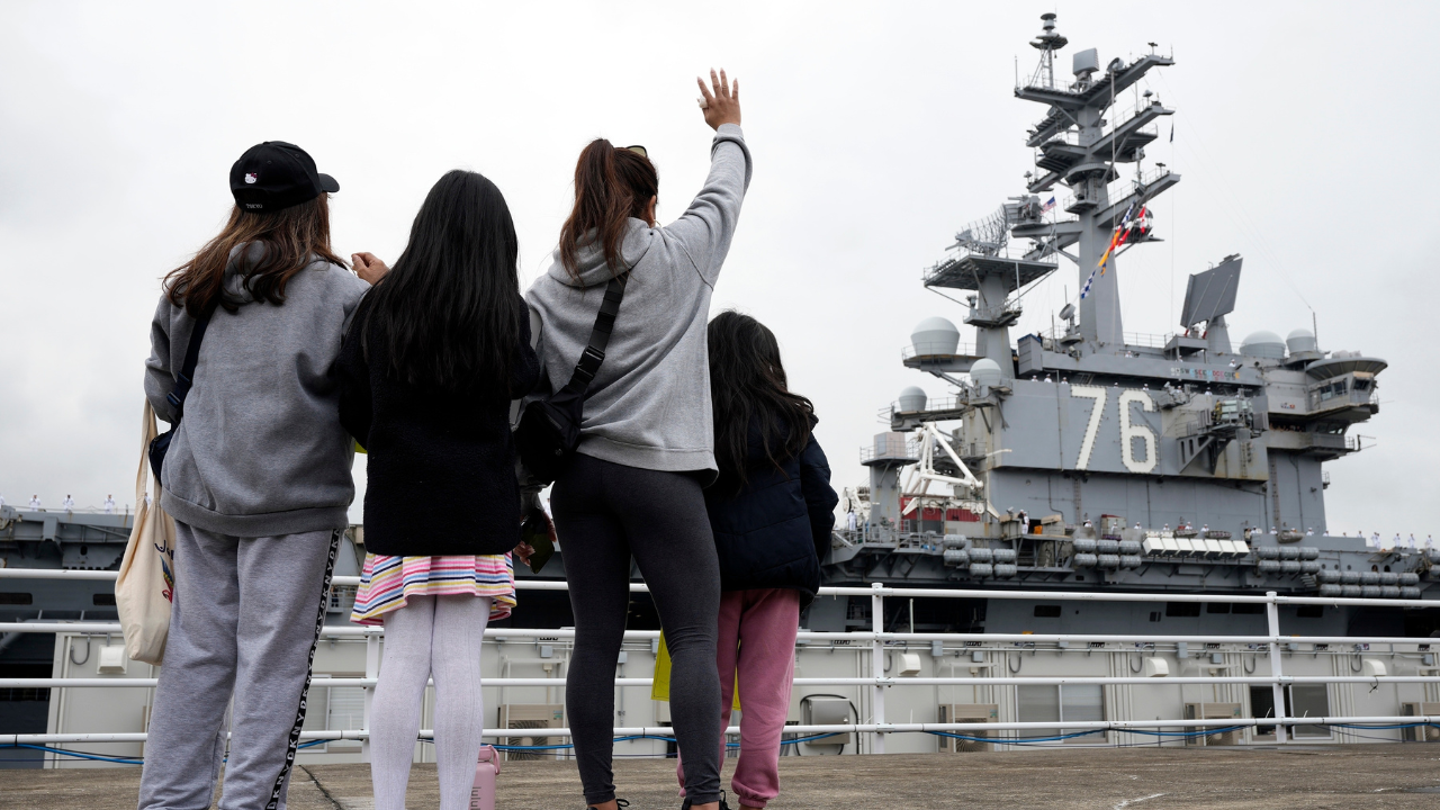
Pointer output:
x,y
879,641
961,350
1149,340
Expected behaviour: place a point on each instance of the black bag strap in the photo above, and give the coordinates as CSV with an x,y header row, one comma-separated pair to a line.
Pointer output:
x,y
186,378
594,353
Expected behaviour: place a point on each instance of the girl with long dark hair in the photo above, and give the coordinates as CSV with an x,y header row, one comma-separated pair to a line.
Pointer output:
x,y
771,511
646,446
257,477
436,353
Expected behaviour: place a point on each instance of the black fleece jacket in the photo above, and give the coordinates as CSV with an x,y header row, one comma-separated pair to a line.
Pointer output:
x,y
442,463
775,531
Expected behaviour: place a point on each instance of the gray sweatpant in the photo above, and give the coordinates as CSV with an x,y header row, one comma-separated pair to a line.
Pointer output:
x,y
605,513
246,617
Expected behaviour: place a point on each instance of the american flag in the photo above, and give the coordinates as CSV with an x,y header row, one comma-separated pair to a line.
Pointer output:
x,y
1050,203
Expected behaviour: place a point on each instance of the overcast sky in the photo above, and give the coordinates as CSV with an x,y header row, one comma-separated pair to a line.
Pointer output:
x,y
1304,132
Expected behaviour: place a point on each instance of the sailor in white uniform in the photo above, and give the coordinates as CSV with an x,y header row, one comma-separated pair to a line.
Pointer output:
x,y
851,521
109,504
1375,540
68,504
35,502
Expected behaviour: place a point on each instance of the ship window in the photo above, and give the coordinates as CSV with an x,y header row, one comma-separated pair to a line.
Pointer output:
x,y
1306,700
1217,607
1310,611
1155,615
1310,700
1047,611
1064,704
17,695
1182,609
337,708
15,598
103,599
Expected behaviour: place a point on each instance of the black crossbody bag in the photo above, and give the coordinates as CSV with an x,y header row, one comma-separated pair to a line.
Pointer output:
x,y
549,429
160,444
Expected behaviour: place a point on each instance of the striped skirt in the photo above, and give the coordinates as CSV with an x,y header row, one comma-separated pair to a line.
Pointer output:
x,y
386,582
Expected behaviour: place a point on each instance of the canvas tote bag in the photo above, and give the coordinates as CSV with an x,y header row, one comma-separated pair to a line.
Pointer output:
x,y
145,588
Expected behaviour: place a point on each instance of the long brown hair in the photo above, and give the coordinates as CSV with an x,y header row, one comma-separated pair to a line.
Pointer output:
x,y
748,385
293,237
611,185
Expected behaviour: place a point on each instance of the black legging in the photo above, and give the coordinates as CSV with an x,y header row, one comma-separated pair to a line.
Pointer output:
x,y
604,514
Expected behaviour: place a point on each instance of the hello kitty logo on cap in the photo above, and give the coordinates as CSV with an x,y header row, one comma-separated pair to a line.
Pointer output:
x,y
289,178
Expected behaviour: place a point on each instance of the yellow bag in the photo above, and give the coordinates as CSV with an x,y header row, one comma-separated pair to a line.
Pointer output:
x,y
145,588
660,690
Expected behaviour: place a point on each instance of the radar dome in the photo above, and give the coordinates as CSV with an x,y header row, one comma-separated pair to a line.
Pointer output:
x,y
1301,340
1263,344
935,336
985,372
913,399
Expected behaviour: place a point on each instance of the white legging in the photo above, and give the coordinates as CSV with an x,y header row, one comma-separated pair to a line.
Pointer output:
x,y
439,637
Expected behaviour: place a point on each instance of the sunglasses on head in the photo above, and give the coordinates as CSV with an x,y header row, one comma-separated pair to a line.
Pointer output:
x,y
639,150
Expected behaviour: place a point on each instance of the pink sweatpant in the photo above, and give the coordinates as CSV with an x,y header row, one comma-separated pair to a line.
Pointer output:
x,y
757,639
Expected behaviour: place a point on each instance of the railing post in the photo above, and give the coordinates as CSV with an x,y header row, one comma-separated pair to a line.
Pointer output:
x,y
1272,615
877,667
372,670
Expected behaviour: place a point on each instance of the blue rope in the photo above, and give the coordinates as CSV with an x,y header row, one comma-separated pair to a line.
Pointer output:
x,y
1378,728
1205,733
76,754
1014,740
119,760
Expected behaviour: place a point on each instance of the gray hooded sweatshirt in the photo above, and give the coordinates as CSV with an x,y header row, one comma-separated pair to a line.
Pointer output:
x,y
649,406
260,451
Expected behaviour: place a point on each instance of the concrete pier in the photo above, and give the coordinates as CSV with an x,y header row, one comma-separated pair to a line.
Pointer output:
x,y
1338,777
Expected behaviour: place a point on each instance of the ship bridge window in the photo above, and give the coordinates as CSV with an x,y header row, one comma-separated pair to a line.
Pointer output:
x,y
1182,609
1362,385
15,598
1062,704
1047,611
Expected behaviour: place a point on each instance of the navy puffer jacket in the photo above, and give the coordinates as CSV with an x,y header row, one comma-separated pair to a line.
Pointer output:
x,y
774,532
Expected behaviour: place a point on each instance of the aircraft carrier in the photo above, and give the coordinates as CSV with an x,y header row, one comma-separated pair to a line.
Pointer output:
x,y
1086,457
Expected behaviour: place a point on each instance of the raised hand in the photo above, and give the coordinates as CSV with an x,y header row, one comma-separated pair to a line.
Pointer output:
x,y
368,267
720,101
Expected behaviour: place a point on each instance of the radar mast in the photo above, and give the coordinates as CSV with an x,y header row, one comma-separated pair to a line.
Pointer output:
x,y
1074,149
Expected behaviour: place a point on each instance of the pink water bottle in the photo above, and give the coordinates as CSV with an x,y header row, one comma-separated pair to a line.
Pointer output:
x,y
482,793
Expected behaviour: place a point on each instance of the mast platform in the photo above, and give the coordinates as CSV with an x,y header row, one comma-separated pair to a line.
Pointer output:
x,y
967,271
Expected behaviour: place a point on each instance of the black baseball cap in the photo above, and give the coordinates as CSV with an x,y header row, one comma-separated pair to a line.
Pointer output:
x,y
275,175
